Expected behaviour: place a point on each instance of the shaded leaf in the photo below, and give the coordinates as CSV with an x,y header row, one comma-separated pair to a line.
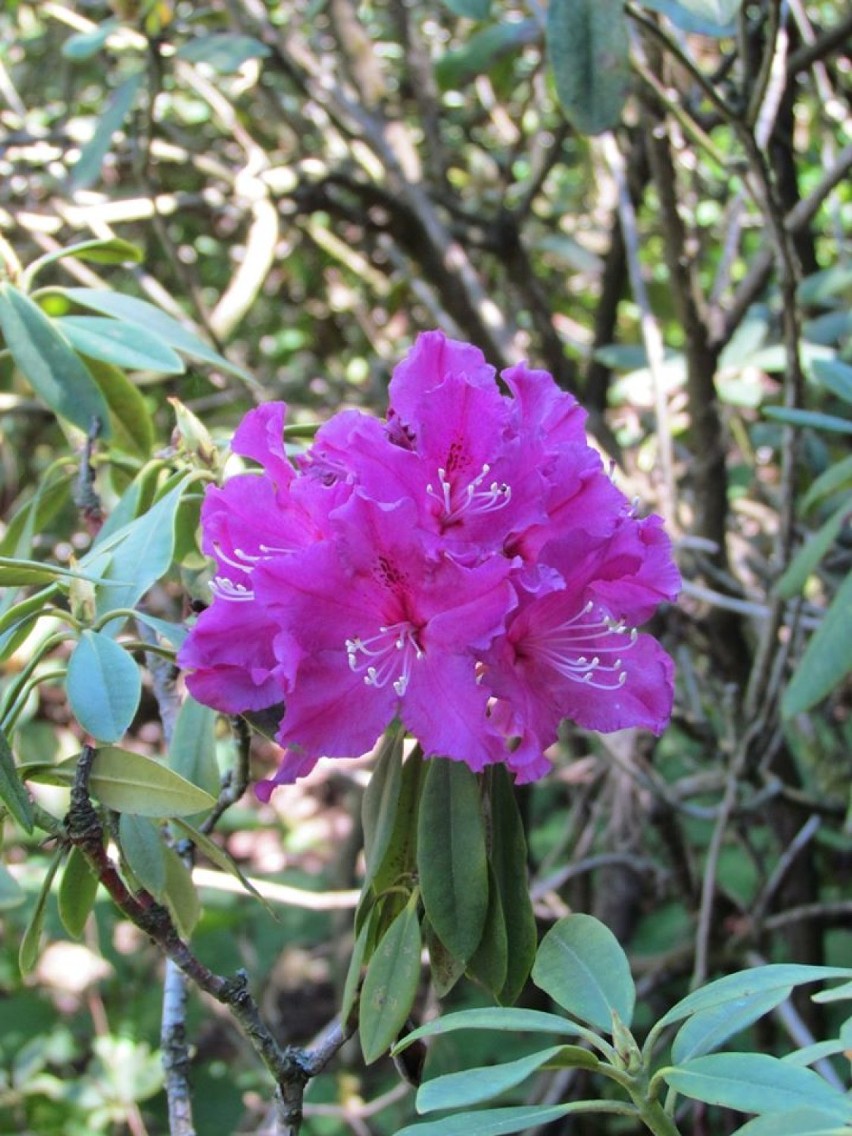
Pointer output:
x,y
473,1086
581,965
12,792
218,856
492,1121
753,1082
400,858
490,960
444,968
107,250
509,863
451,856
588,46
471,9
838,476
130,783
30,946
690,21
84,45
390,984
192,751
353,974
180,895
144,852
508,1018
49,365
707,1030
380,801
816,545
77,891
482,51
835,376
103,685
797,1122
813,418
827,658
11,893
86,170
222,51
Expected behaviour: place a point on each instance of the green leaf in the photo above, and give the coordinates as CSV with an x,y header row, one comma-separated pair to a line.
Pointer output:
x,y
139,554
133,427
144,852
509,864
12,793
716,12
753,1082
451,856
588,46
15,572
30,946
490,960
180,894
473,1086
48,363
835,376
749,983
840,993
130,783
107,250
353,973
222,51
103,685
838,476
827,658
400,858
192,752
502,1018
218,856
707,1030
390,984
797,1122
688,21
812,551
11,893
813,418
581,965
381,799
482,51
444,968
823,286
86,170
470,9
164,327
124,344
493,1121
86,44
77,892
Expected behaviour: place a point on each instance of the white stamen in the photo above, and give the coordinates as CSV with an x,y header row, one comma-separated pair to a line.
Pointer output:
x,y
561,647
472,499
227,589
385,649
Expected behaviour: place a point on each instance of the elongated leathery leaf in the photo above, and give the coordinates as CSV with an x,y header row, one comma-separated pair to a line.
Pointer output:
x,y
87,168
473,1086
754,1082
30,946
180,894
508,1018
451,856
390,984
827,658
493,1121
163,326
797,1122
125,344
77,891
192,752
707,1030
12,793
509,864
490,960
144,851
381,798
747,983
48,363
130,783
588,45
104,686
582,967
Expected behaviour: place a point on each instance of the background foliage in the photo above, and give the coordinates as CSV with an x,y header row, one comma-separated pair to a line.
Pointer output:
x,y
652,204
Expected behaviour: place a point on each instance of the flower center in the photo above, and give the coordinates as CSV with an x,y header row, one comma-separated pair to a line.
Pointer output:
x,y
459,500
386,657
583,650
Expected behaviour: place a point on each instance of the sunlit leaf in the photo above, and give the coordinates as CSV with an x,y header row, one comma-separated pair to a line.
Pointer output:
x,y
710,1028
581,965
116,341
104,686
130,783
77,891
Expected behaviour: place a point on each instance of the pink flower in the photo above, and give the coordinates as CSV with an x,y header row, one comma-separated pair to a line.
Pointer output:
x,y
466,567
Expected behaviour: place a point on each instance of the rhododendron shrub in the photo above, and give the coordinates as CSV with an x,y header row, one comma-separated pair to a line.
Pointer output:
x,y
466,567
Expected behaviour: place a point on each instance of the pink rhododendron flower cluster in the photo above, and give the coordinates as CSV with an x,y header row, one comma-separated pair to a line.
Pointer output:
x,y
466,566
